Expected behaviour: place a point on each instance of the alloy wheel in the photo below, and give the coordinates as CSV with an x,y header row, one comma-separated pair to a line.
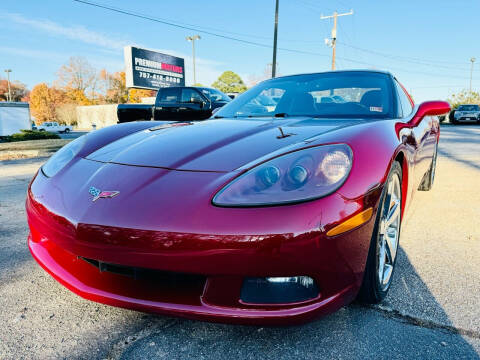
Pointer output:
x,y
388,233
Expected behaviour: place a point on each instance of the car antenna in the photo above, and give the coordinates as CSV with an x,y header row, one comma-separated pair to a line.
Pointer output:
x,y
282,134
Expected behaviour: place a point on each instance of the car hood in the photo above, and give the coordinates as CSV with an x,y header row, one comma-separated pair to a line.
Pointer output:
x,y
220,145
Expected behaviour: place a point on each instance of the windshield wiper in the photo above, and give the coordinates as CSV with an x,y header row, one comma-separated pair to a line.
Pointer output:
x,y
281,115
218,117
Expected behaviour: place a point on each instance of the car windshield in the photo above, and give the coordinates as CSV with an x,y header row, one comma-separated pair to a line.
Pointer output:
x,y
324,95
215,95
468,108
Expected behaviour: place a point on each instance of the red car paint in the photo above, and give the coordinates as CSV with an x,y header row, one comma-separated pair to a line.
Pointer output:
x,y
164,219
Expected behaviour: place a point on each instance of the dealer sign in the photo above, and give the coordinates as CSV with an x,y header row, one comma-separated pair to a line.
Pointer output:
x,y
147,69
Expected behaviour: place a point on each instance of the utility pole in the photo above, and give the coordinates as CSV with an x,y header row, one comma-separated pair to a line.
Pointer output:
x,y
275,33
333,42
192,39
471,73
8,71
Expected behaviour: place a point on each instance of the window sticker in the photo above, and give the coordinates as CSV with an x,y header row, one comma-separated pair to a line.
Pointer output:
x,y
376,108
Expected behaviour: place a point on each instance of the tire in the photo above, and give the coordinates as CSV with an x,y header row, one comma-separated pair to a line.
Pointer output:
x,y
42,130
451,117
429,177
381,255
67,130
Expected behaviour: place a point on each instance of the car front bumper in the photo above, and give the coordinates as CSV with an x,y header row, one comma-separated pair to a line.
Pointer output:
x,y
221,260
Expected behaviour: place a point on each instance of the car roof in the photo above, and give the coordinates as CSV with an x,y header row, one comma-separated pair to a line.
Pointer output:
x,y
373,71
188,87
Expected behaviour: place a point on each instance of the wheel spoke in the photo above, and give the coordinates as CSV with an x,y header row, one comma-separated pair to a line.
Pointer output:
x,y
393,213
387,274
381,262
391,244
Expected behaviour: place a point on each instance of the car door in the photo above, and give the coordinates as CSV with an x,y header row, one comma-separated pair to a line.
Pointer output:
x,y
167,104
194,105
424,137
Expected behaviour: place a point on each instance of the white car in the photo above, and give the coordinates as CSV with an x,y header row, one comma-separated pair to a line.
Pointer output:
x,y
54,127
467,113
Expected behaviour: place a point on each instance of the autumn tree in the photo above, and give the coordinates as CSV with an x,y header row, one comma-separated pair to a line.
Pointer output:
x,y
136,95
43,102
115,88
78,76
18,90
230,82
117,92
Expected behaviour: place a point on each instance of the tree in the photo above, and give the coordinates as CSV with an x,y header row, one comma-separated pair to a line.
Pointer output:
x,y
463,97
136,95
230,82
115,88
44,101
78,75
117,92
18,90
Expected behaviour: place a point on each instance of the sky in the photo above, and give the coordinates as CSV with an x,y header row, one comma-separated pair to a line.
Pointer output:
x,y
426,44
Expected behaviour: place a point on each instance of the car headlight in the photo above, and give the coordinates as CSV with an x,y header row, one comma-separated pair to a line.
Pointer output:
x,y
294,177
63,156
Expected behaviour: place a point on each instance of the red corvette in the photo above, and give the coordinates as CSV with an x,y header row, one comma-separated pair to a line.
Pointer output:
x,y
287,204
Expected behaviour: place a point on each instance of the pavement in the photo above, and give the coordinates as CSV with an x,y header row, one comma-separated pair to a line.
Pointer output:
x,y
431,312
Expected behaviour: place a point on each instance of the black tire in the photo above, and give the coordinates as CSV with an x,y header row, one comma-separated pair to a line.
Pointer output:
x,y
371,291
42,130
451,118
429,177
67,131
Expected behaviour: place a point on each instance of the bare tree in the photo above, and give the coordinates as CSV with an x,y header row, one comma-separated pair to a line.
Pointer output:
x,y
78,74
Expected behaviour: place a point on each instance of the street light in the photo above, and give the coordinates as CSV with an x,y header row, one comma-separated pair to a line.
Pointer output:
x,y
8,71
192,39
471,73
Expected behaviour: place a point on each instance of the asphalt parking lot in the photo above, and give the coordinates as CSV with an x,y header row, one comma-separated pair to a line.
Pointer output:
x,y
431,312
72,134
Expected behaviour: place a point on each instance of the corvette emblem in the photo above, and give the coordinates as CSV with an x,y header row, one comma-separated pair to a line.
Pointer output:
x,y
99,194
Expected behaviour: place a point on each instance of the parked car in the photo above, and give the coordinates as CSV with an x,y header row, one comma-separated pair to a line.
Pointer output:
x,y
251,218
14,116
53,126
467,113
176,103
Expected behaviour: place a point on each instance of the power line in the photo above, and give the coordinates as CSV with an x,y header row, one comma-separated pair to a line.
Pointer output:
x,y
253,43
192,28
407,59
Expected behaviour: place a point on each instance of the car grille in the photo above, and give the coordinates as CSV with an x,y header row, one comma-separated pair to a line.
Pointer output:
x,y
164,277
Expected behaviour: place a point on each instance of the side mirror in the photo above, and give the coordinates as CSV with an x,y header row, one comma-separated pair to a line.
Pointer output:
x,y
429,108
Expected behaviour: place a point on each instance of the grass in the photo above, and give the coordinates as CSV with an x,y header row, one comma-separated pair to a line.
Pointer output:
x,y
25,135
30,148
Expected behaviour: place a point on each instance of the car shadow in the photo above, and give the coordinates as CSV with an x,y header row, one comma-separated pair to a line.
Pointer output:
x,y
412,326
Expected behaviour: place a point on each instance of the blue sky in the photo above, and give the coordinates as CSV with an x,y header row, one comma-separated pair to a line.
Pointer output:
x,y
426,44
